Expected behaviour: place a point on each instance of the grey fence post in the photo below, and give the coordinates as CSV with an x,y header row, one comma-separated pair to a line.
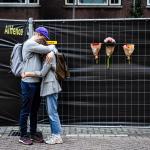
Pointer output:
x,y
30,33
30,28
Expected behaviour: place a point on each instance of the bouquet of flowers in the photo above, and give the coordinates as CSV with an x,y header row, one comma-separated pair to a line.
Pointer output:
x,y
110,46
96,49
128,50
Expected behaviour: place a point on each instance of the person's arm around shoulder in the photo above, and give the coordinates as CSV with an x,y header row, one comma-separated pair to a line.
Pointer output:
x,y
41,73
41,49
46,67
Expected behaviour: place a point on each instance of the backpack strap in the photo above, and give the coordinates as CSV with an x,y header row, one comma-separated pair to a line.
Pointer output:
x,y
27,58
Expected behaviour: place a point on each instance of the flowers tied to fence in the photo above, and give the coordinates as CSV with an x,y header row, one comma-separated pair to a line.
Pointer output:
x,y
109,47
96,49
128,50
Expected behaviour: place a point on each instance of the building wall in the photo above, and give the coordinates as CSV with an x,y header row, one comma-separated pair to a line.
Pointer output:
x,y
18,12
146,10
56,9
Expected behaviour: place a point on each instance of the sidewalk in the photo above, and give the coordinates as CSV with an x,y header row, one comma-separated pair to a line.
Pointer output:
x,y
83,138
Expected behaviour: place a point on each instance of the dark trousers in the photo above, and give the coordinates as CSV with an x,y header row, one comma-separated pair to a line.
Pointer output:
x,y
30,98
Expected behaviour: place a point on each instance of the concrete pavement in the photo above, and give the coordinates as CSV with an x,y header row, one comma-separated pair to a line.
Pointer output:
x,y
83,138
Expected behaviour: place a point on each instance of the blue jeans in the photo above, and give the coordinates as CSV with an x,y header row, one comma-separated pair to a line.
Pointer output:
x,y
53,113
30,98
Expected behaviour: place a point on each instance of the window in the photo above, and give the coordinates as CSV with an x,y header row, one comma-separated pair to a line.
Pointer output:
x,y
12,1
148,2
69,2
33,1
94,2
18,2
115,2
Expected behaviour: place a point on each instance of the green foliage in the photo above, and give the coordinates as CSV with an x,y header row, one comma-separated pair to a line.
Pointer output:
x,y
137,11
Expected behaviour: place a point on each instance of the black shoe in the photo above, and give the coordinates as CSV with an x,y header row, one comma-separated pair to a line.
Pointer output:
x,y
37,137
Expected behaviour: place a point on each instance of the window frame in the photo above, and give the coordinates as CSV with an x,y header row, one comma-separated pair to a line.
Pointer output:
x,y
91,4
25,4
108,3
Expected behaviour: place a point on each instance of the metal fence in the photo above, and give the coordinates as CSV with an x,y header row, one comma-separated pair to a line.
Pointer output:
x,y
94,94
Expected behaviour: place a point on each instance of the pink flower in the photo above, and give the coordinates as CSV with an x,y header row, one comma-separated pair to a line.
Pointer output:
x,y
125,46
109,40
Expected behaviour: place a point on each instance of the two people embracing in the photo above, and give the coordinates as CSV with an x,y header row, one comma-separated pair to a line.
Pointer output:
x,y
41,64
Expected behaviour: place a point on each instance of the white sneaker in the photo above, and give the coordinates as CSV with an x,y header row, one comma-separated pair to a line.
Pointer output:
x,y
54,140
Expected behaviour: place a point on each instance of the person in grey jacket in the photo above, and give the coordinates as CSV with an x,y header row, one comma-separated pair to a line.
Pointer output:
x,y
49,91
30,87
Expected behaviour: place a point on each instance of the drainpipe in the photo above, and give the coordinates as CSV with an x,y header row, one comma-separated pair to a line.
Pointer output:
x,y
134,5
73,11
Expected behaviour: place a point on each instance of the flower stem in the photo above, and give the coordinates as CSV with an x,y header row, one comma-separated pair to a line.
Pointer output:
x,y
129,60
108,63
96,61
